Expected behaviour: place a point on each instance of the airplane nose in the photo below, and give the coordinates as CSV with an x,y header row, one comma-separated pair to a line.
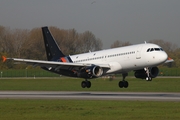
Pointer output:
x,y
157,58
163,57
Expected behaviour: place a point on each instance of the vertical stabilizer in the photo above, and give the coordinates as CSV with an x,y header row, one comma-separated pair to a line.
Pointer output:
x,y
53,51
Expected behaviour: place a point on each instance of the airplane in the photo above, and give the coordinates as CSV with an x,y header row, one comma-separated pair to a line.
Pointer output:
x,y
143,59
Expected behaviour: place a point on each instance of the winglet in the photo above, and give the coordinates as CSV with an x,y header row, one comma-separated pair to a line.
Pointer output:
x,y
4,58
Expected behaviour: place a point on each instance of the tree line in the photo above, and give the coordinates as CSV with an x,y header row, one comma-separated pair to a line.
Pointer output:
x,y
29,44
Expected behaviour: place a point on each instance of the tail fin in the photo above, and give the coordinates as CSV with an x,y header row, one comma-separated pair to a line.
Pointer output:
x,y
52,49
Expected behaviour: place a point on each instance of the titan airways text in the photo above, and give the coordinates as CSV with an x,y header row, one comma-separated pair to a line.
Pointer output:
x,y
143,59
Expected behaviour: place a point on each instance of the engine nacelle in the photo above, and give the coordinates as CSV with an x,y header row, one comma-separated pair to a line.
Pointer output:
x,y
153,72
90,72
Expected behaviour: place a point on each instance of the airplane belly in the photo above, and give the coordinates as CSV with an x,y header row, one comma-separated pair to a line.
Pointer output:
x,y
114,67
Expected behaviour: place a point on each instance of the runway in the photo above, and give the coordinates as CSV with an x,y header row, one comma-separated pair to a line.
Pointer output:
x,y
131,96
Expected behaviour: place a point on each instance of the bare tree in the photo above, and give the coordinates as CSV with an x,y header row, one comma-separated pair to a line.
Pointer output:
x,y
72,42
167,46
120,44
29,43
171,49
6,40
33,47
87,41
98,44
19,38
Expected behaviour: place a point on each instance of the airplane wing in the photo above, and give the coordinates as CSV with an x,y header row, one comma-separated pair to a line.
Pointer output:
x,y
54,64
169,60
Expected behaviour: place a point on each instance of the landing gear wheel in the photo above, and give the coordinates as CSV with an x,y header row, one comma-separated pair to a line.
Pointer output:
x,y
124,84
85,84
148,78
121,84
88,84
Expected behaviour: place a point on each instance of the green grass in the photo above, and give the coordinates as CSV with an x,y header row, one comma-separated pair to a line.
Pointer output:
x,y
73,84
87,110
14,109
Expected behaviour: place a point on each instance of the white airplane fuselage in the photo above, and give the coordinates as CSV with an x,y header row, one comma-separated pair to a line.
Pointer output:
x,y
125,59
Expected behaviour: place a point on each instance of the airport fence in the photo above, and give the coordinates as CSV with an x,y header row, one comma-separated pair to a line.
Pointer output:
x,y
27,73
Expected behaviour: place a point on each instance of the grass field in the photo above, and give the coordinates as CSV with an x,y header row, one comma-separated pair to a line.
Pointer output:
x,y
88,110
73,84
18,109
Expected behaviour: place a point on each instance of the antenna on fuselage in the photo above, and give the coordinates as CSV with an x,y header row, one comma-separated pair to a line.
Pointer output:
x,y
145,42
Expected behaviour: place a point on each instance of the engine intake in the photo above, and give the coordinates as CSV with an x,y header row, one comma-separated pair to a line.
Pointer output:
x,y
153,72
91,72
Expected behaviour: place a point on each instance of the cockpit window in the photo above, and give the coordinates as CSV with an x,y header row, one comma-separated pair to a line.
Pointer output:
x,y
154,49
157,49
148,50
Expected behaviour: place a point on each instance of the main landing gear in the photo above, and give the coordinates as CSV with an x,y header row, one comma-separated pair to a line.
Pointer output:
x,y
124,83
85,84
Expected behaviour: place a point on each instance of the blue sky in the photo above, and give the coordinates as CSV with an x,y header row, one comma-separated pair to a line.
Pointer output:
x,y
135,21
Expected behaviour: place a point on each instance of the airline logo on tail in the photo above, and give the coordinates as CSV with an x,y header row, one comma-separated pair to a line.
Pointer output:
x,y
65,59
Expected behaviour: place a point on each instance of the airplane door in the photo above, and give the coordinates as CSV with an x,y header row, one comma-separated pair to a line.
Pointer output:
x,y
138,52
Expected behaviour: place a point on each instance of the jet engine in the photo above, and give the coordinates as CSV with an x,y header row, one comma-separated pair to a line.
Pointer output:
x,y
90,72
153,72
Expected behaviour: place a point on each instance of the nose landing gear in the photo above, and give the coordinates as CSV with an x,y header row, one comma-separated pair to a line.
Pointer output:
x,y
148,78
